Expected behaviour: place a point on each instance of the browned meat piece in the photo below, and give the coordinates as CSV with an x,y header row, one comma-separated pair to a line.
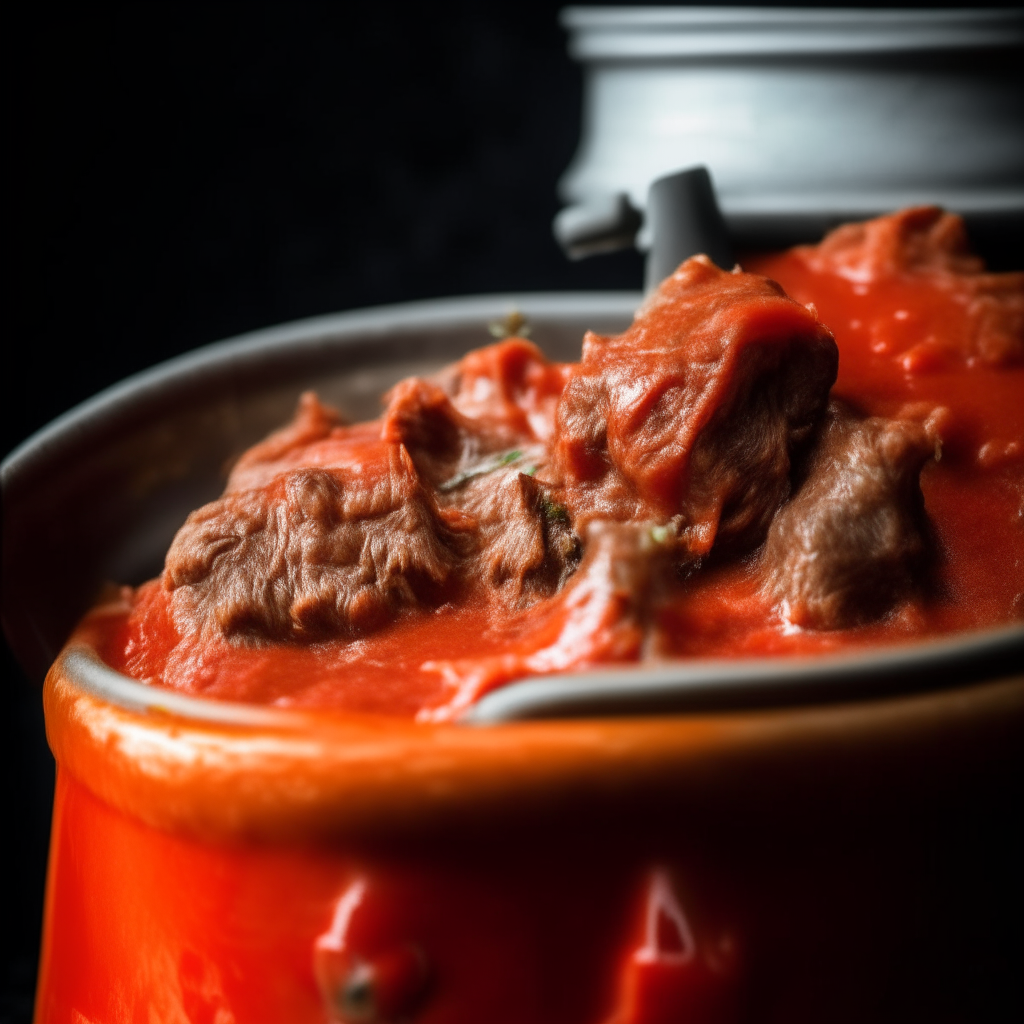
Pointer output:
x,y
523,541
440,440
692,413
851,542
314,555
922,239
527,545
497,399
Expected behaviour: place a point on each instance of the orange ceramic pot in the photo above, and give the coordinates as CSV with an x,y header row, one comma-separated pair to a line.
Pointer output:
x,y
215,862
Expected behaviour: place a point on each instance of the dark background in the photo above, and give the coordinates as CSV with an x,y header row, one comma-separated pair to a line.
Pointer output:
x,y
184,174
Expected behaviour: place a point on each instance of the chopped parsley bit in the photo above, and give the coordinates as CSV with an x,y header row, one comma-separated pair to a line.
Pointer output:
x,y
471,474
513,326
553,512
530,471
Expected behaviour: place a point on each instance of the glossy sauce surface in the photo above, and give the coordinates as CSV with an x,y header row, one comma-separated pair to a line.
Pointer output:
x,y
909,336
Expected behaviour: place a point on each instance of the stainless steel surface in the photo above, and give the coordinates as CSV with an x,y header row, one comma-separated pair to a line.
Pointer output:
x,y
804,116
89,674
684,210
705,685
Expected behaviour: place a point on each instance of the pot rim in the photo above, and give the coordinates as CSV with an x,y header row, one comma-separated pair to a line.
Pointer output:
x,y
680,687
644,34
344,774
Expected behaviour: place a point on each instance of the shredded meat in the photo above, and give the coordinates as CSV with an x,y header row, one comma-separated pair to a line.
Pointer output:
x,y
441,441
474,456
853,539
528,544
693,413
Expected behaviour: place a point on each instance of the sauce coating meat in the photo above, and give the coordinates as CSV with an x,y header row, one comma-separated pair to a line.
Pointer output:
x,y
730,476
691,414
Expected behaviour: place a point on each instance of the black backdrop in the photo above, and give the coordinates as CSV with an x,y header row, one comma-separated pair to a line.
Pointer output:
x,y
180,174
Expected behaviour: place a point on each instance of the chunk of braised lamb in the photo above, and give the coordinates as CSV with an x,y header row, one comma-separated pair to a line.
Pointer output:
x,y
448,447
922,239
853,540
318,553
326,530
517,546
439,439
695,410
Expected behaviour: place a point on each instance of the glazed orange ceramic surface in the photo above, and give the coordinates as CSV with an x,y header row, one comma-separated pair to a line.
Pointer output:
x,y
591,872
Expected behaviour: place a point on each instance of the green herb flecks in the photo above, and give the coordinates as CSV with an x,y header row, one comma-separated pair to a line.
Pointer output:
x,y
513,326
471,474
553,512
